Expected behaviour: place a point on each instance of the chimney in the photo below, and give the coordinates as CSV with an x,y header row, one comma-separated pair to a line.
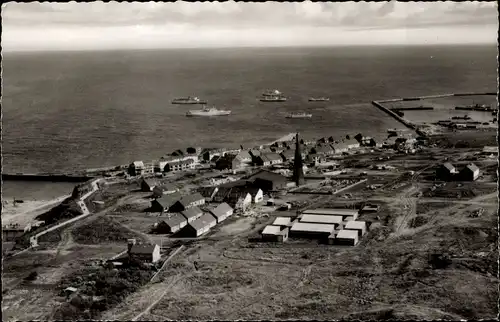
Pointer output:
x,y
130,242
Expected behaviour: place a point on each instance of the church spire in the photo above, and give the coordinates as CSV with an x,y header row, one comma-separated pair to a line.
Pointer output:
x,y
298,171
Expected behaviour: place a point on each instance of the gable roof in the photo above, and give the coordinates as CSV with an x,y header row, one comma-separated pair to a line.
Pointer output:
x,y
168,200
189,199
272,156
202,222
149,182
472,167
174,219
191,212
142,248
243,154
449,166
138,164
221,210
267,175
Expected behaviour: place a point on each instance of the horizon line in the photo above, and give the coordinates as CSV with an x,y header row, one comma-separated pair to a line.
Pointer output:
x,y
237,47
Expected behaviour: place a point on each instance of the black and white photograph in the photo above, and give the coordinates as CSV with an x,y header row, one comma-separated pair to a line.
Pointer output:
x,y
246,161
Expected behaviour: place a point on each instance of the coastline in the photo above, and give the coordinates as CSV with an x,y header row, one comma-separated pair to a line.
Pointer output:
x,y
25,212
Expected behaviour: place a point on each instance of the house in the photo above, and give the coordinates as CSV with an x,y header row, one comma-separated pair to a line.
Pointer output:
x,y
288,155
233,161
340,147
201,225
315,158
148,184
222,212
192,213
149,253
446,172
347,237
208,192
324,150
256,193
469,173
179,165
172,223
351,143
267,159
275,233
136,168
208,154
187,202
244,157
165,202
268,180
322,141
164,189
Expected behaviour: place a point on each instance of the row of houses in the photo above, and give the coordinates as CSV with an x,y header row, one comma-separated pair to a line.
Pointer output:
x,y
448,172
336,226
194,222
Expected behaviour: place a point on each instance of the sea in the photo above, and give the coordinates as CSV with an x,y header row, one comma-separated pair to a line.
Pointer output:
x,y
75,110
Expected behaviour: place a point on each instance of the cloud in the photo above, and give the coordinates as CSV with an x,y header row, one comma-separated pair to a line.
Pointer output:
x,y
48,21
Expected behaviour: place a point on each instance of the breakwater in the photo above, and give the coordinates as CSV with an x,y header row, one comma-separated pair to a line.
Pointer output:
x,y
416,108
45,177
393,114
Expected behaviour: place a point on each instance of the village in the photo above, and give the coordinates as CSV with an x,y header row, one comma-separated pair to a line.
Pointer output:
x,y
143,223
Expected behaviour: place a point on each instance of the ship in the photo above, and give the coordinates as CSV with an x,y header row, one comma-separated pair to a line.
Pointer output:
x,y
188,100
465,117
319,99
212,111
273,92
275,98
476,107
298,115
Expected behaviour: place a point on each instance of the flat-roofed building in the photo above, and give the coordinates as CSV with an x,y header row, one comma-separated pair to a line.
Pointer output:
x,y
359,226
347,237
282,221
275,233
333,212
301,229
321,219
201,225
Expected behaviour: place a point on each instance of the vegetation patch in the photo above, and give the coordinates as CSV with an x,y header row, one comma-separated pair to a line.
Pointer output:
x,y
65,210
103,230
99,289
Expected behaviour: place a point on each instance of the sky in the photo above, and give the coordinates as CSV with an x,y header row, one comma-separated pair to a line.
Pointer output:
x,y
132,25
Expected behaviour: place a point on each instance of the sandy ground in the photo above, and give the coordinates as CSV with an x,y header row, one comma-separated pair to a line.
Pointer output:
x,y
24,213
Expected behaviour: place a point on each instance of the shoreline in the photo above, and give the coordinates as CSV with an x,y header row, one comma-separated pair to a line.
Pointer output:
x,y
26,212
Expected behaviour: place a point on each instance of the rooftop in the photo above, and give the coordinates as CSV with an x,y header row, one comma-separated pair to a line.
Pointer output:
x,y
271,230
308,227
355,225
202,222
168,200
331,211
347,234
189,199
142,248
282,221
191,212
321,219
174,219
221,210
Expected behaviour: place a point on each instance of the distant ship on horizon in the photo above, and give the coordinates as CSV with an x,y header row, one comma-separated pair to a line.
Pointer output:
x,y
188,100
212,111
319,99
272,92
300,115
273,99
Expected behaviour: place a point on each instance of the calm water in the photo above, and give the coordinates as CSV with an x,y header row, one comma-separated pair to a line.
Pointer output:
x,y
90,109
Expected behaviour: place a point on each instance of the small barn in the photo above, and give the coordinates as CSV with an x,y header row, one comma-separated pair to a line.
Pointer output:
x,y
347,237
192,213
274,233
222,212
446,172
148,184
188,201
165,202
149,253
469,173
359,226
171,224
201,225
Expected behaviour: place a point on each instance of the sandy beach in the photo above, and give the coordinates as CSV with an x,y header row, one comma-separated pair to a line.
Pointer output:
x,y
24,213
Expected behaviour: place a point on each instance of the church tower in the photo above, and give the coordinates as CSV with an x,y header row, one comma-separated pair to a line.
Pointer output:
x,y
298,171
